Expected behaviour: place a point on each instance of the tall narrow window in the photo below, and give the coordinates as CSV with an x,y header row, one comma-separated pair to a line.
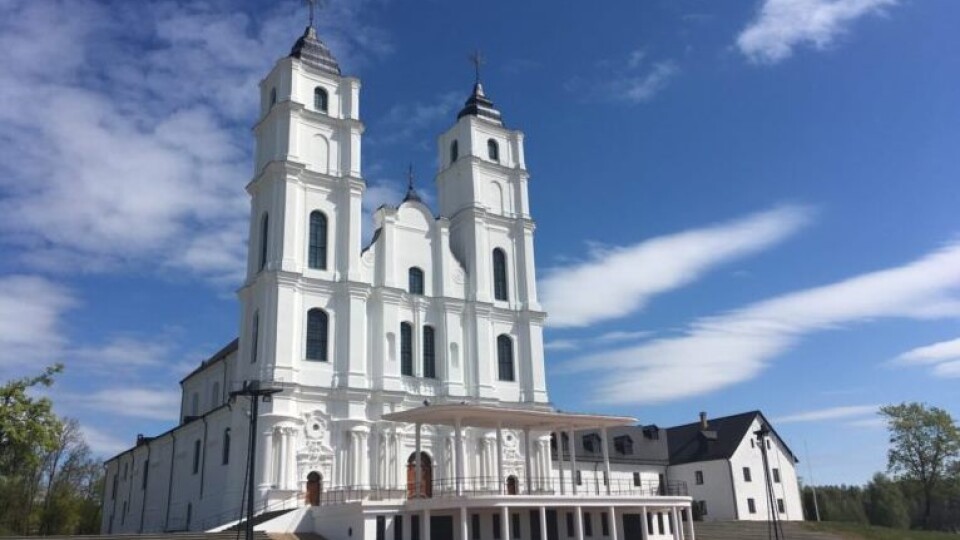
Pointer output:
x,y
318,240
146,474
747,477
429,353
264,229
255,337
454,151
196,456
320,99
776,475
273,97
225,459
499,274
317,327
493,150
505,358
415,280
406,349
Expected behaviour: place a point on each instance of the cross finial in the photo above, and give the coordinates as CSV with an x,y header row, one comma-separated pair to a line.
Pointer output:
x,y
314,6
410,177
477,59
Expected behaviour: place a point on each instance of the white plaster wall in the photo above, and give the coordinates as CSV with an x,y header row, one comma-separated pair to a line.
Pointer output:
x,y
716,490
750,456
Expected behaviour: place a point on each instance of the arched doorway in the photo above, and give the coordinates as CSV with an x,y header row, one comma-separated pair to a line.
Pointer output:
x,y
314,487
426,476
512,488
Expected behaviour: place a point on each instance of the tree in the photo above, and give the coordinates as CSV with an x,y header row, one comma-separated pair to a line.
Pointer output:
x,y
885,503
924,447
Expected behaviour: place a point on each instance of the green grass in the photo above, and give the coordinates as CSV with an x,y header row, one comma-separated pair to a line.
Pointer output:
x,y
854,531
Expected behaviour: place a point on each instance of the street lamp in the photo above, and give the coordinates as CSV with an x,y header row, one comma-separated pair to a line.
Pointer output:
x,y
255,392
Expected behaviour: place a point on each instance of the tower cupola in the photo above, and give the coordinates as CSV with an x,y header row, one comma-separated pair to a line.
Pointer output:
x,y
313,52
479,105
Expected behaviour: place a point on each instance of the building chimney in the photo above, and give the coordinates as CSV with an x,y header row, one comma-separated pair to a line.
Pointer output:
x,y
703,421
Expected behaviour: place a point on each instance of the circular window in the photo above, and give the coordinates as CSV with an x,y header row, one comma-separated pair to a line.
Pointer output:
x,y
316,427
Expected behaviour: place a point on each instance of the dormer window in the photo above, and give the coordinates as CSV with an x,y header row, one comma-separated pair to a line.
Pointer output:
x,y
320,99
591,442
454,151
493,150
623,445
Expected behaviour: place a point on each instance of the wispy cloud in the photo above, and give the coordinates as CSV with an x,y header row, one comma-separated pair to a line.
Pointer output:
x,y
832,413
145,403
102,443
720,351
944,357
618,281
409,122
607,339
782,25
154,125
633,79
31,326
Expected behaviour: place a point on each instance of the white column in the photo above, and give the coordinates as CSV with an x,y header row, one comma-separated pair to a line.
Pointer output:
x,y
573,461
606,457
504,523
578,522
291,458
643,520
677,535
543,522
266,467
559,437
417,461
464,528
526,458
458,456
363,461
612,516
425,526
500,458
282,481
693,533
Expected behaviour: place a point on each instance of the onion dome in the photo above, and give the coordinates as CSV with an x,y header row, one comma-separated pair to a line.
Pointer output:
x,y
314,53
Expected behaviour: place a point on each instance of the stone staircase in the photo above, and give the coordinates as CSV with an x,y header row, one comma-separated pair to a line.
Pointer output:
x,y
756,530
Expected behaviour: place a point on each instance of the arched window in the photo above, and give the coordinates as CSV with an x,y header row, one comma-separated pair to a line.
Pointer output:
x,y
273,97
499,274
255,337
318,240
454,151
415,280
317,326
493,150
406,349
225,459
320,99
429,353
505,357
264,230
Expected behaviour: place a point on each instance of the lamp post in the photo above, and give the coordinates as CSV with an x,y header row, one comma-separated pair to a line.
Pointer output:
x,y
255,392
777,531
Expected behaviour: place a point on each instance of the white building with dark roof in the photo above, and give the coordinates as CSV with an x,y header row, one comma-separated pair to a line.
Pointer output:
x,y
411,396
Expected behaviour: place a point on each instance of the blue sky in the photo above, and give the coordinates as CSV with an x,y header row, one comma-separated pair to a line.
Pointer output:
x,y
740,205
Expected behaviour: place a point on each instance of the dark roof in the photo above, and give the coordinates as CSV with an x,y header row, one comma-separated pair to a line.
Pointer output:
x,y
311,51
648,445
689,443
218,356
479,105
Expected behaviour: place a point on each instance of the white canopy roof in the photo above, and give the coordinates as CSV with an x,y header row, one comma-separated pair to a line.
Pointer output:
x,y
486,416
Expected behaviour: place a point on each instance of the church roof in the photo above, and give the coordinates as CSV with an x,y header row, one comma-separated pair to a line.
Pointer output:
x,y
479,105
690,443
313,52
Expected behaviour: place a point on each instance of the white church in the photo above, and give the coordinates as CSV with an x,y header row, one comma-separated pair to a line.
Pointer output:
x,y
406,395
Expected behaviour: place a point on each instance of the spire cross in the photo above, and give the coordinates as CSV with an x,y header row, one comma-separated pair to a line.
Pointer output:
x,y
410,177
315,5
477,60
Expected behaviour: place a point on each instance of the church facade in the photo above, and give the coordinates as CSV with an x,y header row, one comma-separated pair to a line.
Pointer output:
x,y
412,399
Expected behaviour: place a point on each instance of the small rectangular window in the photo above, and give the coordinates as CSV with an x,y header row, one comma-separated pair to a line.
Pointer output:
x,y
587,524
768,444
747,477
751,506
698,476
515,525
146,471
703,508
579,479
649,523
381,528
196,456
475,526
414,527
398,528
569,523
497,527
636,479
604,524
780,507
776,475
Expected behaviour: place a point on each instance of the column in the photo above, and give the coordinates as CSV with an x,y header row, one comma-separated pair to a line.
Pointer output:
x,y
282,481
677,535
693,533
578,522
425,526
291,458
505,523
417,463
464,528
363,462
573,462
266,467
643,520
500,458
612,513
526,461
559,437
606,457
458,456
543,522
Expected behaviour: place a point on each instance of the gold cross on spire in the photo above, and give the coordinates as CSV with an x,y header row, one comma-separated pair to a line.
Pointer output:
x,y
477,59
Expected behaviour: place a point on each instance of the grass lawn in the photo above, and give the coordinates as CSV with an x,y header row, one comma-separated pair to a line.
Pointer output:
x,y
866,532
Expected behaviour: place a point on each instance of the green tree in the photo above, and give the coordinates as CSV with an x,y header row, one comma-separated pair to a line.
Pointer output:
x,y
885,503
924,447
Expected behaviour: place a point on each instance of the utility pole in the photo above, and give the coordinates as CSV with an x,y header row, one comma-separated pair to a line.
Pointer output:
x,y
762,434
255,392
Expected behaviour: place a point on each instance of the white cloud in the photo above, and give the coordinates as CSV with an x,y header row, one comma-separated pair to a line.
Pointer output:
x,y
944,357
643,87
782,25
832,413
31,309
633,80
615,282
123,353
147,403
407,122
607,339
101,443
720,351
140,151
947,370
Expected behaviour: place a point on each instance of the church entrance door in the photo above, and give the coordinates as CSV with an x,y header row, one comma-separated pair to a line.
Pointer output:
x,y
314,487
426,476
